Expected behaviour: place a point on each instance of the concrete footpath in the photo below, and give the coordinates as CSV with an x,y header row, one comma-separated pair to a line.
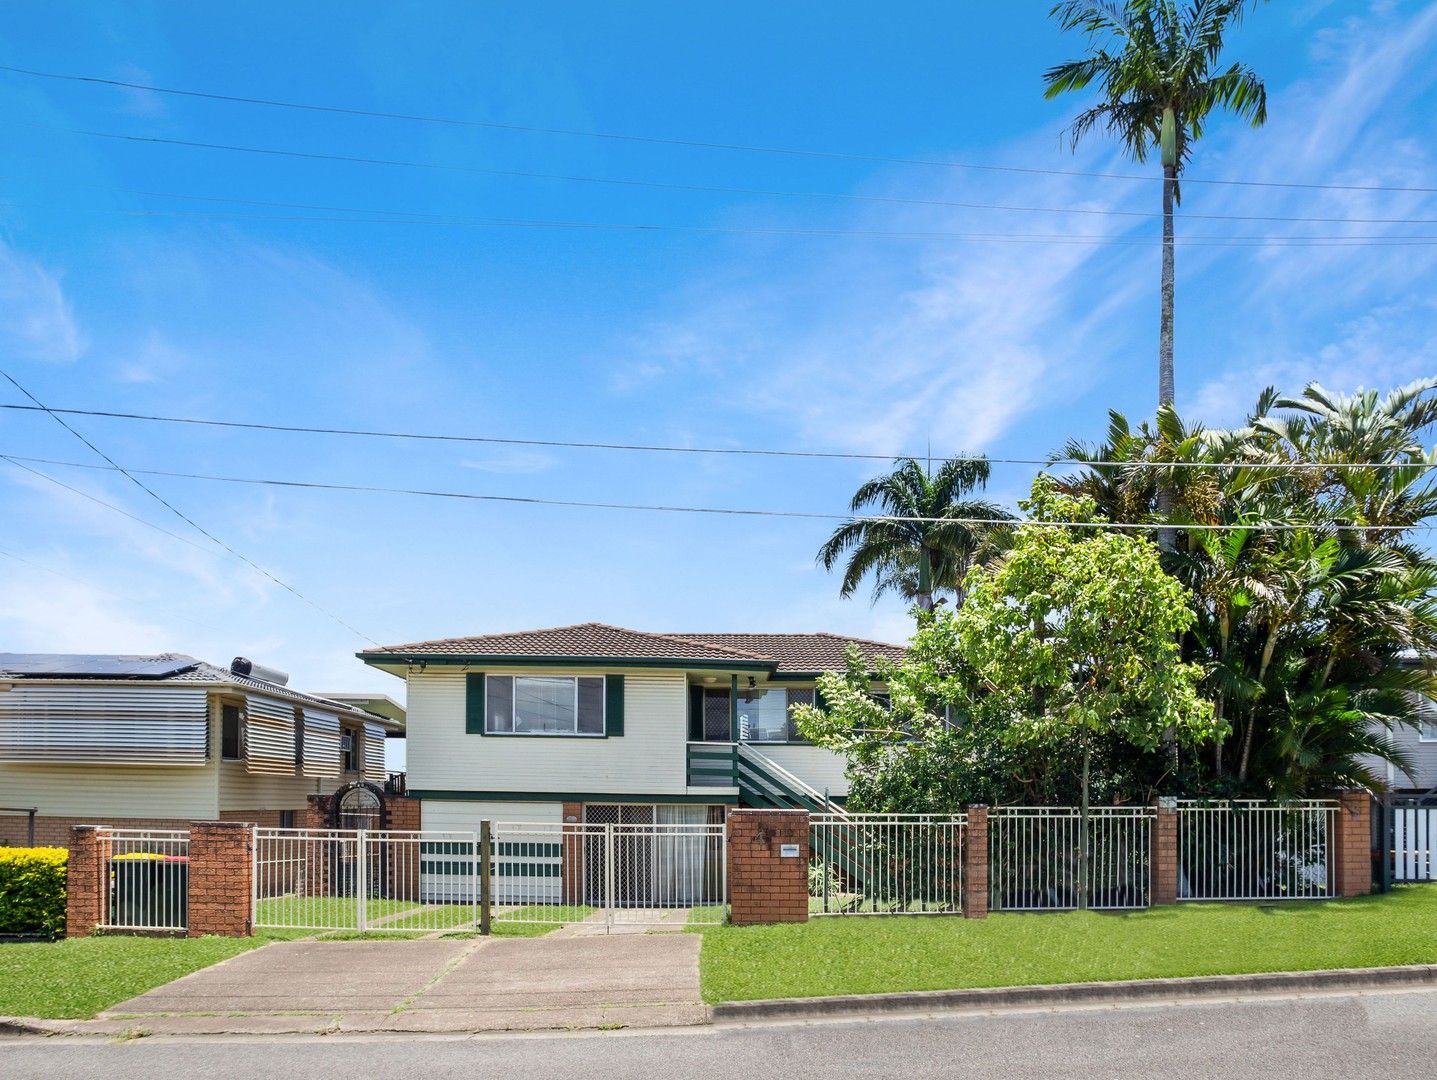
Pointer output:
x,y
475,985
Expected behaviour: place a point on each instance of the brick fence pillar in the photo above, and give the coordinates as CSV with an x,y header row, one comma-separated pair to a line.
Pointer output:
x,y
571,854
766,883
221,877
402,857
1164,856
975,864
87,880
1350,851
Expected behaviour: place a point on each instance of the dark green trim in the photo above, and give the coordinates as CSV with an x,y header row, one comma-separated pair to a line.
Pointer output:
x,y
733,708
474,703
450,660
614,705
569,796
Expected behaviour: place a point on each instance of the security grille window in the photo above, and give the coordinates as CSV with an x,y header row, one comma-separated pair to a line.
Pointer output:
x,y
763,715
544,705
231,724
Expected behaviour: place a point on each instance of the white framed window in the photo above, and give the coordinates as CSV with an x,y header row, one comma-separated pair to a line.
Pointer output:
x,y
544,705
349,750
1427,719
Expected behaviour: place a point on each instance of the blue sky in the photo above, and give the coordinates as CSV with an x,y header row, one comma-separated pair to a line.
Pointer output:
x,y
727,331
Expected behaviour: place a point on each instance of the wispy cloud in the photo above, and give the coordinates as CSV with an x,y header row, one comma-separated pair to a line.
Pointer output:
x,y
36,319
515,463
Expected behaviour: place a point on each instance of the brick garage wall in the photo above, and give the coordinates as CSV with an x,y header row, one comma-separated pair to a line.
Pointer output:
x,y
763,886
571,854
53,831
1351,848
221,878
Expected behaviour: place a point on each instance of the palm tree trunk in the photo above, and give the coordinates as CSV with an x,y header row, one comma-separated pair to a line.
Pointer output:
x,y
925,579
1167,538
1165,330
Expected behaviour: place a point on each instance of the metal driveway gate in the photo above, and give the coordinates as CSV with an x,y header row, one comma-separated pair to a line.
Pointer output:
x,y
613,872
366,880
388,880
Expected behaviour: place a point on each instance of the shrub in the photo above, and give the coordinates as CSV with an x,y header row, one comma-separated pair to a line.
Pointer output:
x,y
32,890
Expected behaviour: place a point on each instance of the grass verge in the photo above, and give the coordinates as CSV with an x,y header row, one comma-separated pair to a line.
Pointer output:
x,y
78,977
881,954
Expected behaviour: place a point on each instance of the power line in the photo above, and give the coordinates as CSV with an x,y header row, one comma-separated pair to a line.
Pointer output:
x,y
691,143
735,451
180,514
1384,240
723,189
800,515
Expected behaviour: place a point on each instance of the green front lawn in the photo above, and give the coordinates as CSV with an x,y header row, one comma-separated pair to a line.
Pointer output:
x,y
78,977
879,954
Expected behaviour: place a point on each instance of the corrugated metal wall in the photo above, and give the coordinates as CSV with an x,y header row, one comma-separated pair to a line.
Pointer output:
x,y
104,725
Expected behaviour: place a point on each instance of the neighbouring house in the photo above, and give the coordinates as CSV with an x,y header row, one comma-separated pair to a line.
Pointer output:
x,y
160,741
599,724
1419,744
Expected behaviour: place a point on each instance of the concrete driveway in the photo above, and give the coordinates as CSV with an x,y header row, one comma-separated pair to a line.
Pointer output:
x,y
486,984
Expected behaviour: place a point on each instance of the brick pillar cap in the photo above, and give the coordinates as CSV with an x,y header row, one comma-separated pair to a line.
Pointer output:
x,y
978,806
220,825
1166,802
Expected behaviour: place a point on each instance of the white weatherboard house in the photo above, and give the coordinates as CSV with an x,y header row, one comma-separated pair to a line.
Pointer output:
x,y
599,724
160,741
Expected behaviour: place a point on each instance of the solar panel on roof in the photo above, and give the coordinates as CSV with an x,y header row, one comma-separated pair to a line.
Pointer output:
x,y
77,665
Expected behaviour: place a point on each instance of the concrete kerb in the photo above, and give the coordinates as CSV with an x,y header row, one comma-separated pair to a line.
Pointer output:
x,y
1092,993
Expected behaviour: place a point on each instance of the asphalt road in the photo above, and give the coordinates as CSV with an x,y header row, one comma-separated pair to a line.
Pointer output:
x,y
1348,1036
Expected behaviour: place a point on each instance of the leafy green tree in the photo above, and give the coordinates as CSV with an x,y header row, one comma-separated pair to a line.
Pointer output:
x,y
1307,632
1074,636
1157,63
925,536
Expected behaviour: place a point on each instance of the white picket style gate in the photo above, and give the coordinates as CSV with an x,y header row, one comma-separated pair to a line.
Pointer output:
x,y
1414,843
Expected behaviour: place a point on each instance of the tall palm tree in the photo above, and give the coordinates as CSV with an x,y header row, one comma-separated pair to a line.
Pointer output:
x,y
1157,64
926,536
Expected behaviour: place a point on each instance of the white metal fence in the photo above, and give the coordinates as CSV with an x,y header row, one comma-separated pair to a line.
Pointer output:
x,y
148,874
1034,858
1414,843
1249,850
886,864
611,873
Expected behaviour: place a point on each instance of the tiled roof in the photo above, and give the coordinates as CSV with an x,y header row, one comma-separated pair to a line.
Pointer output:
x,y
804,652
589,639
783,652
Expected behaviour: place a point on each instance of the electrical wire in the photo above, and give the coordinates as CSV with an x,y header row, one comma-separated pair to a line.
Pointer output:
x,y
801,515
180,514
690,143
736,451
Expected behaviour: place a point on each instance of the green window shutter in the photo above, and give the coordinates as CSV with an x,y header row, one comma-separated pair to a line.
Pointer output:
x,y
474,703
613,705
